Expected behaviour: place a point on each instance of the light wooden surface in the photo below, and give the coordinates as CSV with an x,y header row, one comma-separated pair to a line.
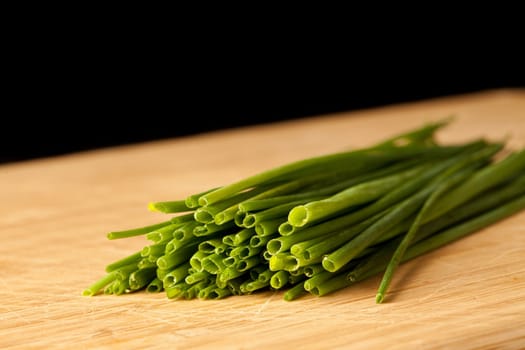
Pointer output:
x,y
55,213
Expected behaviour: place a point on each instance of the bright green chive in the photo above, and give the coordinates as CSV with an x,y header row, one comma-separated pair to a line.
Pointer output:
x,y
155,286
269,227
246,264
141,278
195,277
169,206
442,238
100,284
177,290
196,260
137,231
449,181
120,287
213,264
323,223
295,292
176,258
176,275
260,241
131,259
279,279
245,251
351,197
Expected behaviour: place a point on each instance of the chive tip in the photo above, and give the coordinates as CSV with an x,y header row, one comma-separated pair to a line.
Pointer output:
x,y
152,207
379,298
87,293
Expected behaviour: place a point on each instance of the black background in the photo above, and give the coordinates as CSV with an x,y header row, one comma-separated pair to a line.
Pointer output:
x,y
78,82
62,109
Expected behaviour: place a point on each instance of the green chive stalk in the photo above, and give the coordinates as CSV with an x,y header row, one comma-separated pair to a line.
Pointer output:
x,y
320,224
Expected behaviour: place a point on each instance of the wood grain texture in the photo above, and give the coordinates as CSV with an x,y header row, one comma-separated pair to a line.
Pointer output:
x,y
56,211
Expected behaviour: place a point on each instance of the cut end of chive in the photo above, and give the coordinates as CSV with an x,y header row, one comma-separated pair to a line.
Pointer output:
x,y
88,293
211,266
242,265
261,230
191,202
203,216
248,221
154,236
315,291
195,263
202,201
284,262
294,293
379,298
329,265
170,247
145,251
255,241
274,246
220,219
286,229
308,286
228,240
153,288
351,277
178,235
298,216
229,261
161,263
169,280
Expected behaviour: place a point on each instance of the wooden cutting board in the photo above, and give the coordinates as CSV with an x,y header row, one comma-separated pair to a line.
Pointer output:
x,y
56,212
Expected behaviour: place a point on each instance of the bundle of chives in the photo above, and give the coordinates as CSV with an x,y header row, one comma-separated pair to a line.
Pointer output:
x,y
324,223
